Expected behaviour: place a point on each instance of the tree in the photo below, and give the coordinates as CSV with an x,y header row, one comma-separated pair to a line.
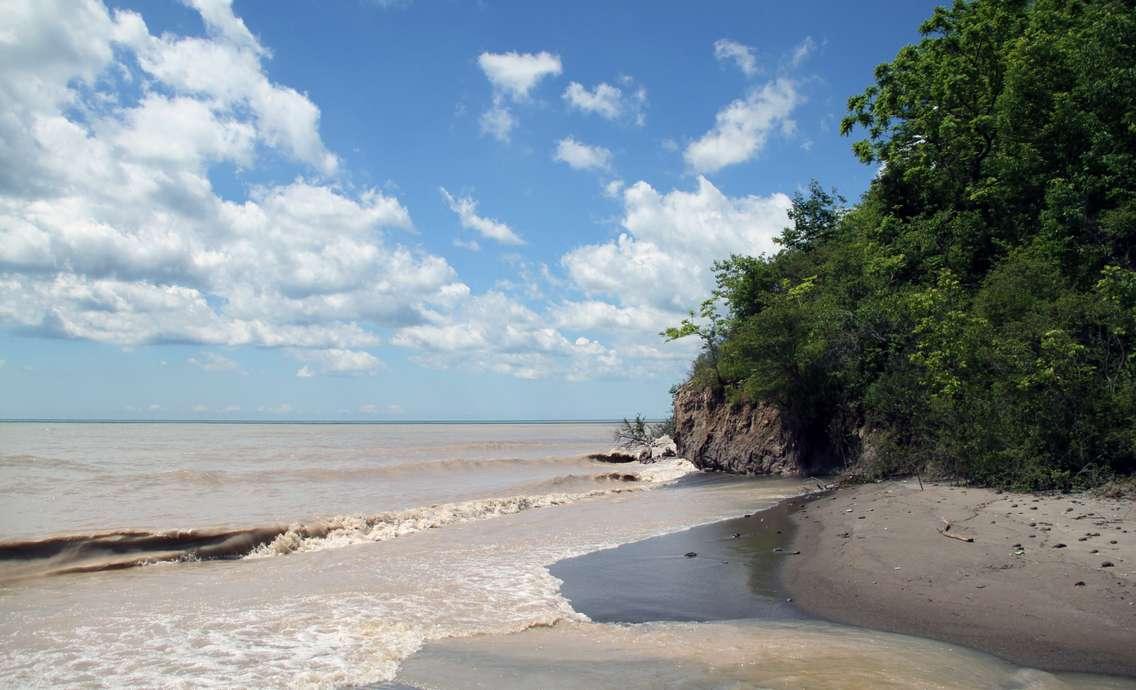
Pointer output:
x,y
976,309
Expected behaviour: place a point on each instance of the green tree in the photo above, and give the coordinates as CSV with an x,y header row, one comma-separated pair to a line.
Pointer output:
x,y
974,314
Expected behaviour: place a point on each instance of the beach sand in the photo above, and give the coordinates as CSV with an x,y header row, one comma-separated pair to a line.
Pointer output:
x,y
1047,582
717,605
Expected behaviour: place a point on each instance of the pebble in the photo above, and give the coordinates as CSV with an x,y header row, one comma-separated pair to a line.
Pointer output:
x,y
1106,564
1079,583
690,554
1058,546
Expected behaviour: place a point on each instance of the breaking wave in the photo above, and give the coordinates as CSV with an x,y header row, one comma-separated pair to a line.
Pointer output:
x,y
118,549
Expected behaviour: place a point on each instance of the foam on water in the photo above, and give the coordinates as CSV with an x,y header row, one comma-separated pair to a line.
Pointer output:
x,y
420,552
345,530
334,616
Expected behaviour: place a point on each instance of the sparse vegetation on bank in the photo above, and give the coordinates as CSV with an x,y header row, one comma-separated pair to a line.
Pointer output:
x,y
640,432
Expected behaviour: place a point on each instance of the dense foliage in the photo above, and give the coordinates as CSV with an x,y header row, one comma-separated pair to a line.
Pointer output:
x,y
974,314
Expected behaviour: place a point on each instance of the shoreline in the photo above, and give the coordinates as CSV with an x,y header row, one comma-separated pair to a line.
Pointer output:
x,y
734,573
1048,582
872,556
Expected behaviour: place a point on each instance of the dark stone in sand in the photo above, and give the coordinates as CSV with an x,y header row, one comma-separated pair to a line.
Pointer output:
x,y
614,457
690,554
1106,564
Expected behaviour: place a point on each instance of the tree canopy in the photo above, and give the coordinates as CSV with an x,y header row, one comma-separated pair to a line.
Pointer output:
x,y
975,313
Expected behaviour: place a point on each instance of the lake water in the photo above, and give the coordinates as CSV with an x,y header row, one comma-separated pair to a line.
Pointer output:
x,y
322,555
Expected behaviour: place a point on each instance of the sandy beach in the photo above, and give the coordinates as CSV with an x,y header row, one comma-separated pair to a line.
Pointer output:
x,y
1047,581
720,605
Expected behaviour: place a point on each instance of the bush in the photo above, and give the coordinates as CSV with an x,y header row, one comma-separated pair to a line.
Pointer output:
x,y
640,432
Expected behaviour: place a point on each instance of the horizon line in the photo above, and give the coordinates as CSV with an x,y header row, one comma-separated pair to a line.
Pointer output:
x,y
97,420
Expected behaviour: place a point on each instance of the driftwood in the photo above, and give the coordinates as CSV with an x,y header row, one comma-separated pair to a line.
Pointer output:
x,y
946,532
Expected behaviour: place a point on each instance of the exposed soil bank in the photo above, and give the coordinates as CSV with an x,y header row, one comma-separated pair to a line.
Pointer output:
x,y
1047,582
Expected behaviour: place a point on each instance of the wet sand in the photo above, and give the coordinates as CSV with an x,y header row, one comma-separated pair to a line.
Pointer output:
x,y
710,607
1047,582
734,573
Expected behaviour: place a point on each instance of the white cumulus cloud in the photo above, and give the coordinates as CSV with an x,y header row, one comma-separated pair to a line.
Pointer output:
x,y
608,101
466,209
512,76
802,52
581,156
336,362
498,122
742,127
110,229
727,50
516,74
663,258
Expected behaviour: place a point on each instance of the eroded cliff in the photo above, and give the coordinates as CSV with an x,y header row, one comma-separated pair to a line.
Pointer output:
x,y
744,438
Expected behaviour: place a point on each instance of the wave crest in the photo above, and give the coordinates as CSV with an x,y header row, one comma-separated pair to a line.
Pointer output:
x,y
117,549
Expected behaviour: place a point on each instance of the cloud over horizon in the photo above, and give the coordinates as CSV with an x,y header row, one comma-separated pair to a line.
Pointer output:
x,y
166,187
112,230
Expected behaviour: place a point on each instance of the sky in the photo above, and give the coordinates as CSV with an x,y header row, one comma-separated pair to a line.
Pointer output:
x,y
398,209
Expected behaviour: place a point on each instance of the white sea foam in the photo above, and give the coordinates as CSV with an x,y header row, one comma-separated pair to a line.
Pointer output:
x,y
323,616
346,530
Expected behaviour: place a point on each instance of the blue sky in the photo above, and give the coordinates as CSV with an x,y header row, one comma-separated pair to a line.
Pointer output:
x,y
397,210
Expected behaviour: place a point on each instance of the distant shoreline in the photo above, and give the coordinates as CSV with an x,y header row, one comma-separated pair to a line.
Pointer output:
x,y
359,422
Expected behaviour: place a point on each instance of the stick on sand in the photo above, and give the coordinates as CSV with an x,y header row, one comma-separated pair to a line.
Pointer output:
x,y
946,532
